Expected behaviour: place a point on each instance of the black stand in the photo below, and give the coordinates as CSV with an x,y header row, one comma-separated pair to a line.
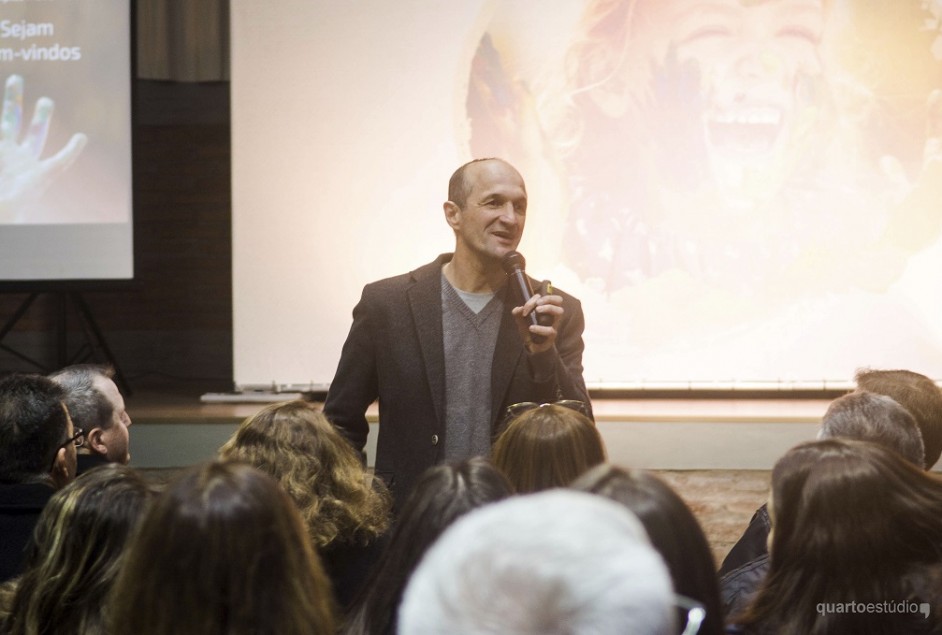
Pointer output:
x,y
94,347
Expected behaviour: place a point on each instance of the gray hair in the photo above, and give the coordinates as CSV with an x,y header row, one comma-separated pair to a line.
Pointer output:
x,y
867,416
87,406
557,562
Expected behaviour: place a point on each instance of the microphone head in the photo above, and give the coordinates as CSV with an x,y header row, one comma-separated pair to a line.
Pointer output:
x,y
513,261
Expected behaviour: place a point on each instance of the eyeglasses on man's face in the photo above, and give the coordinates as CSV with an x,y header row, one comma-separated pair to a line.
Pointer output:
x,y
77,438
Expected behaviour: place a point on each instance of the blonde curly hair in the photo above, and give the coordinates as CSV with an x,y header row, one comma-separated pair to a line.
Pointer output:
x,y
295,443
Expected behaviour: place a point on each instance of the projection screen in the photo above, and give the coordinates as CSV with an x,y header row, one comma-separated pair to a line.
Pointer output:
x,y
740,193
65,147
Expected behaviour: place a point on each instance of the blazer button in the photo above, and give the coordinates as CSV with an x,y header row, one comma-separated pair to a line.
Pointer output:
x,y
434,439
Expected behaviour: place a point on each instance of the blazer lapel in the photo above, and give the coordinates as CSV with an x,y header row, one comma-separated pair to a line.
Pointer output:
x,y
425,302
506,357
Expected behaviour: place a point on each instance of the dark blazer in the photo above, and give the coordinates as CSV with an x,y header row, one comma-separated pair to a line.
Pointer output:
x,y
20,507
738,588
752,544
86,462
395,353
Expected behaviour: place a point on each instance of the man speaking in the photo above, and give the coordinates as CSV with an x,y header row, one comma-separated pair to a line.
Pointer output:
x,y
447,347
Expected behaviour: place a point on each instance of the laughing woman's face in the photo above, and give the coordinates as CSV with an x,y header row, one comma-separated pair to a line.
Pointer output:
x,y
760,86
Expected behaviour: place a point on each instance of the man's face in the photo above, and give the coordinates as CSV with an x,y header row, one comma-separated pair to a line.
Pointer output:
x,y
115,438
490,223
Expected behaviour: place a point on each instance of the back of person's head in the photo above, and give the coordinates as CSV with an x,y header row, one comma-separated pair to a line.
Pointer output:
x,y
547,446
222,551
867,416
919,395
852,520
76,552
672,529
553,562
87,406
33,427
96,406
837,497
296,444
442,494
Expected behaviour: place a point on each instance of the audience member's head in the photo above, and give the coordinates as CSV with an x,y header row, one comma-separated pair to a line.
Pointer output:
x,y
852,521
555,562
867,416
547,446
97,407
222,551
442,495
672,529
919,395
76,552
35,432
296,444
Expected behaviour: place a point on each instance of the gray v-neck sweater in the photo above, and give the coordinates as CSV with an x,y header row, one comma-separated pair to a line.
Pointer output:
x,y
469,341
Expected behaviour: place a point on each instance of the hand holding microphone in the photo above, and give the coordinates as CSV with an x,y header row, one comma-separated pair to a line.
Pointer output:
x,y
514,265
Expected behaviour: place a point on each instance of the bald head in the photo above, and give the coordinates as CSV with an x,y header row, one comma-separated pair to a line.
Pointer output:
x,y
459,185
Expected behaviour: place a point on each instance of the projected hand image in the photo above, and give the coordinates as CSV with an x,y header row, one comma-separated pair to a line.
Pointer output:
x,y
24,174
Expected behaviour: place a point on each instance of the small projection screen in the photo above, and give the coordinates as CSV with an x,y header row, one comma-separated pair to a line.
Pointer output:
x,y
742,193
65,148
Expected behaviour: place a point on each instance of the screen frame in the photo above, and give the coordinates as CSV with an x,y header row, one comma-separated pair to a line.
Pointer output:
x,y
43,285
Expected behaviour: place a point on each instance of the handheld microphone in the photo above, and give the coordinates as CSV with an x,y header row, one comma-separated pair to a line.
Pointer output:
x,y
514,264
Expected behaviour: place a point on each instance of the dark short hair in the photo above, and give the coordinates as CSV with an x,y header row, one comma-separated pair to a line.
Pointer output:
x,y
33,424
88,407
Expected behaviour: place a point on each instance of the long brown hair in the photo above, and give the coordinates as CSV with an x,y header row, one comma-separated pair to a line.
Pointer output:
x,y
296,444
442,494
223,551
548,446
672,529
76,552
852,522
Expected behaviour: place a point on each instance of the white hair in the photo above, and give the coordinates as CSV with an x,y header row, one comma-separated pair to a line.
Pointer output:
x,y
557,562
